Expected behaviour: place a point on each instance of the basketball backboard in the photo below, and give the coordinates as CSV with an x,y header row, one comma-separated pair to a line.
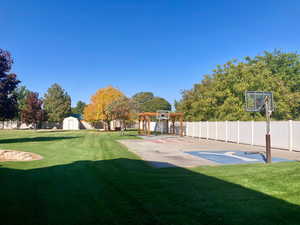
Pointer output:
x,y
256,100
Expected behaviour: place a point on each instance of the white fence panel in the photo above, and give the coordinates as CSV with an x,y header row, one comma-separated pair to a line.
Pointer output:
x,y
188,129
280,134
233,131
284,134
259,133
196,129
222,131
245,132
296,135
212,130
199,129
204,130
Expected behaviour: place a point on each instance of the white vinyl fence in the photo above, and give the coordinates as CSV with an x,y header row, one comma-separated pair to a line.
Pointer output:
x,y
14,124
284,134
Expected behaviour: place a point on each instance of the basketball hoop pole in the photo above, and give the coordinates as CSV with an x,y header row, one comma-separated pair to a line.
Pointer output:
x,y
255,101
268,136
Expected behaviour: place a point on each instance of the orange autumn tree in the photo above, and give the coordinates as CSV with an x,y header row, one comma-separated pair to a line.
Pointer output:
x,y
96,110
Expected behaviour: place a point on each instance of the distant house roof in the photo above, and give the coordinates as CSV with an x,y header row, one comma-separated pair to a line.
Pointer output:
x,y
78,116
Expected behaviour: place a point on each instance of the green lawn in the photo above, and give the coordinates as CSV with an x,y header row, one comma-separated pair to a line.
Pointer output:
x,y
89,178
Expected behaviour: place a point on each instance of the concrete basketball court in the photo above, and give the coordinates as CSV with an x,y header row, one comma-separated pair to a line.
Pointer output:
x,y
174,151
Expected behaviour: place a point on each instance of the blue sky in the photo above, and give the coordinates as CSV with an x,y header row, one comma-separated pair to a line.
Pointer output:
x,y
160,46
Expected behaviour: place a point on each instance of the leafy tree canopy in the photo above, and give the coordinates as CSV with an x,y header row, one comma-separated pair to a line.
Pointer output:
x,y
8,83
157,103
143,97
96,110
57,103
32,113
79,108
122,109
147,102
220,95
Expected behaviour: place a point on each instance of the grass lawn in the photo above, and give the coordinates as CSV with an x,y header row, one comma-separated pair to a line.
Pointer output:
x,y
89,178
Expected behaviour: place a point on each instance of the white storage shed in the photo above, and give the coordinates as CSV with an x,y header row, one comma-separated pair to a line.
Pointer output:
x,y
71,123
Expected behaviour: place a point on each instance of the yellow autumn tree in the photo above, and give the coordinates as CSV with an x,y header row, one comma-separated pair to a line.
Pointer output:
x,y
97,109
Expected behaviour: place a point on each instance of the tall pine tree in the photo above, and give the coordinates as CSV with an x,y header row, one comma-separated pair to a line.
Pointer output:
x,y
57,103
21,94
79,108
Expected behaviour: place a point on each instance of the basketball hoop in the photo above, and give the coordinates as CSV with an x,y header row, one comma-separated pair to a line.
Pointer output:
x,y
257,101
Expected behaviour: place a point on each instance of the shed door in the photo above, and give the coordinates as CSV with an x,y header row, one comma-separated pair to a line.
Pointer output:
x,y
71,124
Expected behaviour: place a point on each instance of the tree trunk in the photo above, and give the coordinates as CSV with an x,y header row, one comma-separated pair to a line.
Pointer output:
x,y
124,125
108,125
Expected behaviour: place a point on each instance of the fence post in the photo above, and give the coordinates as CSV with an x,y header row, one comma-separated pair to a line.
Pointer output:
x,y
200,128
216,130
207,130
226,131
187,128
290,135
252,132
194,129
238,131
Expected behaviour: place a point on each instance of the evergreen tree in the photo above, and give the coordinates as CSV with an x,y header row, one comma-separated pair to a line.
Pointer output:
x,y
79,109
21,94
57,103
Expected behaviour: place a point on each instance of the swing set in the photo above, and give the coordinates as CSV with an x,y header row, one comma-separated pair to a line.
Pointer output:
x,y
146,117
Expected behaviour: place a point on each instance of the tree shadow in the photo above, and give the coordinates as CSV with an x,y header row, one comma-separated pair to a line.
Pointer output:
x,y
124,191
52,131
34,139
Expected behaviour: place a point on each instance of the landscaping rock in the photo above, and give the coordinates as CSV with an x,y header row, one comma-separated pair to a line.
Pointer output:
x,y
12,155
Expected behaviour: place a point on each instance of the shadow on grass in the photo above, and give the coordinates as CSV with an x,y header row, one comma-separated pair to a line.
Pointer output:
x,y
52,131
124,191
34,139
